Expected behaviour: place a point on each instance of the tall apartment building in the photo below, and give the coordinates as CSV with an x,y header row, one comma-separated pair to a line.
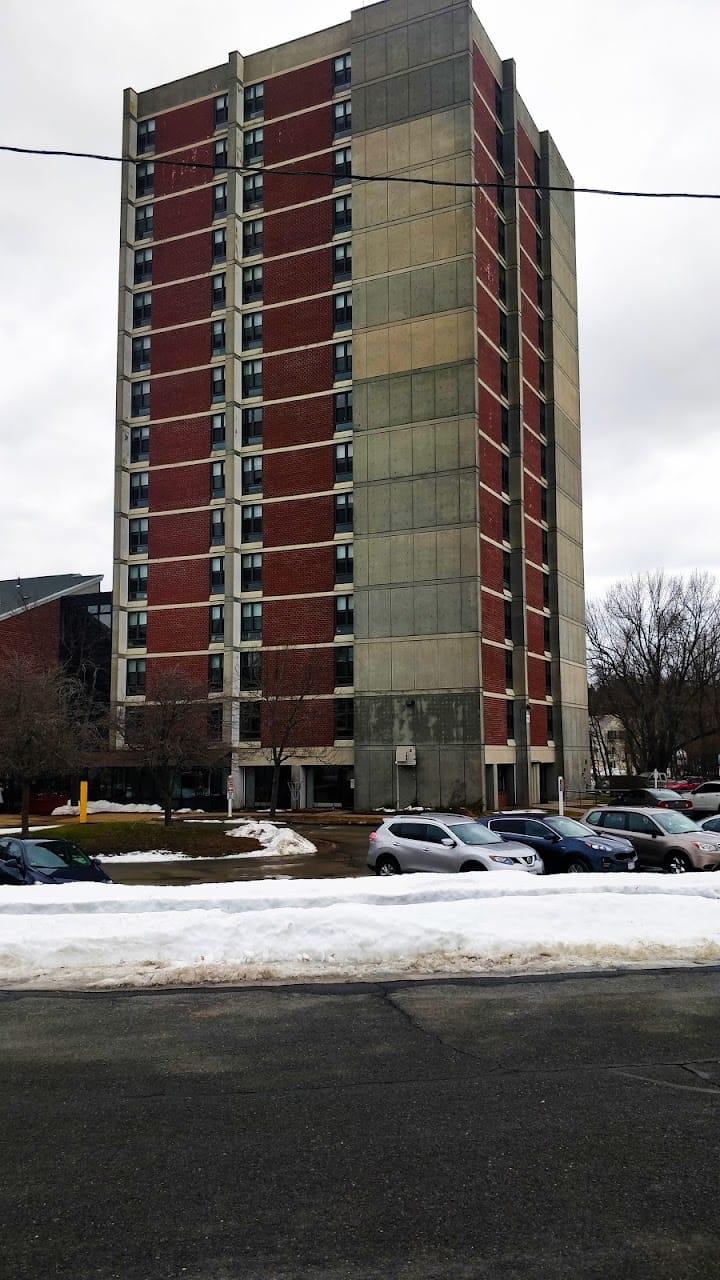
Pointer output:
x,y
348,446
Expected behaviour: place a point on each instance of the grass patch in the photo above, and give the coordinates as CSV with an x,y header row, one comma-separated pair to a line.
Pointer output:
x,y
198,839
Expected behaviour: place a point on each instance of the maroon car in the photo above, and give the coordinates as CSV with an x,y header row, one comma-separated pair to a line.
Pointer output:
x,y
652,798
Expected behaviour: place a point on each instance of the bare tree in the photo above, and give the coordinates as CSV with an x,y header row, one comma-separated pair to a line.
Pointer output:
x,y
654,661
170,732
49,725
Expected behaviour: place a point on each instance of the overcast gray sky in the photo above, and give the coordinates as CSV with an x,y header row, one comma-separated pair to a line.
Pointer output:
x,y
629,92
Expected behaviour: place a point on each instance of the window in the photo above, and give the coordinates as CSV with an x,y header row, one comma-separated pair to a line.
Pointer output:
x,y
342,310
543,461
252,191
252,237
215,722
342,213
145,137
137,581
507,619
251,523
135,677
545,551
143,221
142,310
251,621
217,383
144,179
343,461
501,197
342,118
217,338
139,399
252,327
546,634
217,479
217,575
506,522
538,208
509,672
343,512
217,528
217,431
220,199
142,265
344,674
544,504
538,248
252,284
251,572
217,623
344,562
216,674
550,724
505,473
252,473
510,721
505,424
249,719
502,284
342,70
499,146
501,237
342,169
546,591
343,719
548,680
253,146
139,488
342,361
541,376
252,378
252,426
342,410
537,171
218,293
138,537
221,110
543,418
140,354
139,444
498,100
539,290
137,630
503,330
504,383
506,567
220,157
219,244
251,670
343,615
253,101
342,261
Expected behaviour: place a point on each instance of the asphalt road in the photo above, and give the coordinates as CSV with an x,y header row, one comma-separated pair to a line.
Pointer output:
x,y
565,1127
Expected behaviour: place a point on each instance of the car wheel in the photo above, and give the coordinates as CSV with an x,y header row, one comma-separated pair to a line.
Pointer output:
x,y
386,865
676,863
473,866
575,865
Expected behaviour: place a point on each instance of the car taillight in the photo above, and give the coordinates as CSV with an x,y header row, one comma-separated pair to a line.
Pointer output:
x,y
373,835
664,804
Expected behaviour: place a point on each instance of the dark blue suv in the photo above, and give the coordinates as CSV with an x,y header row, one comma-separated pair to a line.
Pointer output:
x,y
46,862
563,843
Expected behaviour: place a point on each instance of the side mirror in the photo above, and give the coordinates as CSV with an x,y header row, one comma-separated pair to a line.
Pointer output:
x,y
449,844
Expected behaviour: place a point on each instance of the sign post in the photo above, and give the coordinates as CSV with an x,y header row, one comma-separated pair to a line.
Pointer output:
x,y
561,796
230,794
83,801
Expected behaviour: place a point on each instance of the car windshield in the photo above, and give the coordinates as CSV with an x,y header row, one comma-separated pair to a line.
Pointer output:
x,y
50,855
675,823
473,833
569,827
663,794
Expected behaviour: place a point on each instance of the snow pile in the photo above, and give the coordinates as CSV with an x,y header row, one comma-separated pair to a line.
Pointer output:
x,y
89,935
278,842
103,806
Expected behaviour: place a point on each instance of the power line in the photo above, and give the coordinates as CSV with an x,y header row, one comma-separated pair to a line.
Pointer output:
x,y
365,177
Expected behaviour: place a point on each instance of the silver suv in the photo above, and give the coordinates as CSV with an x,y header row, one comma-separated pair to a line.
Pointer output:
x,y
661,837
445,842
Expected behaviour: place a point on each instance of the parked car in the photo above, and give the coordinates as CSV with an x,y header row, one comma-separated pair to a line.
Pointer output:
x,y
444,842
682,787
563,843
46,862
706,797
661,837
652,798
708,824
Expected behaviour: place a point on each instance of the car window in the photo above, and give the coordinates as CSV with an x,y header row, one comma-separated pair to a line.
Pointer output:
x,y
594,818
433,834
473,833
415,831
398,829
615,820
707,787
516,825
568,827
641,823
675,823
538,829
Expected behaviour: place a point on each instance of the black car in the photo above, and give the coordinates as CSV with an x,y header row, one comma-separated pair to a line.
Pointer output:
x,y
46,862
563,843
652,798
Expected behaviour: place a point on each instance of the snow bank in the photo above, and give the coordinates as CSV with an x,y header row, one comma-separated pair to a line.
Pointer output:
x,y
278,841
104,806
116,935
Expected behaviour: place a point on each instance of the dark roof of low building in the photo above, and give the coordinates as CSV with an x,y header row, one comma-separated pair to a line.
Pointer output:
x,y
17,594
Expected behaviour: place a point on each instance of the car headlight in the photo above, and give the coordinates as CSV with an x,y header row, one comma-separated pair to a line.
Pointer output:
x,y
595,844
707,848
495,857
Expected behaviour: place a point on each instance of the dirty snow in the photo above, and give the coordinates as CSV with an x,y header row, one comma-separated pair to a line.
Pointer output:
x,y
97,936
278,841
104,806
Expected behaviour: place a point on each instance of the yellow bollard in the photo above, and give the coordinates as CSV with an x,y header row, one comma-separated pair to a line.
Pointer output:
x,y
83,801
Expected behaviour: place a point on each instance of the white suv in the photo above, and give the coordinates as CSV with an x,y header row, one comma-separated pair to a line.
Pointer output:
x,y
445,842
706,797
